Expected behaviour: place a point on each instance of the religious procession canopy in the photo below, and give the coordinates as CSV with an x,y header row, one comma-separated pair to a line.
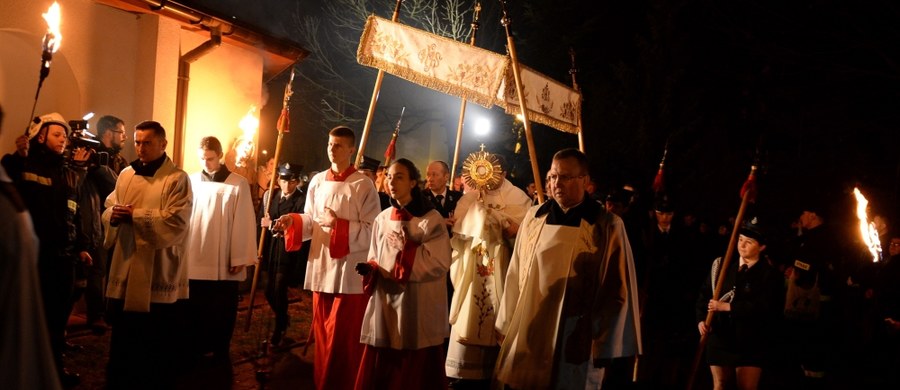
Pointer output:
x,y
467,72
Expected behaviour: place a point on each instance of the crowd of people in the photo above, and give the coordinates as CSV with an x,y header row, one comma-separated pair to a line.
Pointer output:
x,y
417,284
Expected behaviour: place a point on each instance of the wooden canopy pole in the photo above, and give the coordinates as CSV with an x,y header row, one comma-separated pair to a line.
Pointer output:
x,y
374,102
462,104
514,63
572,71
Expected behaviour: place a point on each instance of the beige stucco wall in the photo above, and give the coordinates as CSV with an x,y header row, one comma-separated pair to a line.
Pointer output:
x,y
223,85
115,62
93,71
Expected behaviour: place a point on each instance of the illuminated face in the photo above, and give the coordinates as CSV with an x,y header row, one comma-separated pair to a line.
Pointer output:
x,y
399,184
807,219
436,177
55,138
749,248
894,248
339,150
379,179
567,182
288,186
210,160
117,135
664,218
148,145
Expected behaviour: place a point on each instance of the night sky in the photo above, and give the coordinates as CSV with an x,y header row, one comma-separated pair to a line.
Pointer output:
x,y
810,88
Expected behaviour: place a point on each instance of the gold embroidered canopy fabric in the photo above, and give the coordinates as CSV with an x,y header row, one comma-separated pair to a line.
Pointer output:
x,y
432,61
548,102
465,71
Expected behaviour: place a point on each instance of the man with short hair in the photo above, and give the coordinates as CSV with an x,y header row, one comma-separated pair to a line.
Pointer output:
x,y
341,205
437,175
111,133
221,244
570,298
147,218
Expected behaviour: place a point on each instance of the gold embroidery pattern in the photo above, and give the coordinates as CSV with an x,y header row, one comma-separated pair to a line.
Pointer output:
x,y
387,46
484,268
476,75
392,47
545,102
483,300
567,110
430,58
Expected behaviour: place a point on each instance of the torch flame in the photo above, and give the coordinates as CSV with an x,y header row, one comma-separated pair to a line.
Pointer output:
x,y
249,123
53,37
867,229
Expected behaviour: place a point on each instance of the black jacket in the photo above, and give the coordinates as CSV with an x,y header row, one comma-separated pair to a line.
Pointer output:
x,y
449,203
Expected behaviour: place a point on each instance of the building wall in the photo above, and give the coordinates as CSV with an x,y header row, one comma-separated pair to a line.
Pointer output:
x,y
223,85
119,63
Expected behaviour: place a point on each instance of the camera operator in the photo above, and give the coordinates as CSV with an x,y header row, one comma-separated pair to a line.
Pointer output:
x,y
48,186
98,183
111,134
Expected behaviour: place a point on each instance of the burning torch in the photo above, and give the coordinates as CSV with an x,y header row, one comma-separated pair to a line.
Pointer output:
x,y
49,45
867,229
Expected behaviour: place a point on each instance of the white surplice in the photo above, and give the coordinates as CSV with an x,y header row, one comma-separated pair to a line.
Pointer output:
x,y
223,229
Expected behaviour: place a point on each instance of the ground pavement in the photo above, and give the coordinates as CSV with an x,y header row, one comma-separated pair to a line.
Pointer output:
x,y
289,367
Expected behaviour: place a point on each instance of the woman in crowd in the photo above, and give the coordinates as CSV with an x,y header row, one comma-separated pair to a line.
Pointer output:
x,y
406,318
739,338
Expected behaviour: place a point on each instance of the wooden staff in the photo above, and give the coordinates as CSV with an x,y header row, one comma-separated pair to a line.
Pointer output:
x,y
391,151
572,71
462,104
374,102
747,195
514,63
283,126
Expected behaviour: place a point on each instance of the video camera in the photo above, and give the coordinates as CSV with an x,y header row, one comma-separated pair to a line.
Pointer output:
x,y
80,137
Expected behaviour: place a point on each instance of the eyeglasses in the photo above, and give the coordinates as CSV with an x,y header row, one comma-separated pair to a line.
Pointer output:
x,y
895,244
561,178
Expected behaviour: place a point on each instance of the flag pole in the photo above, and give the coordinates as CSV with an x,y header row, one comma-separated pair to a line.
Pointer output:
x,y
374,102
514,63
573,71
748,193
283,126
391,150
463,102
659,188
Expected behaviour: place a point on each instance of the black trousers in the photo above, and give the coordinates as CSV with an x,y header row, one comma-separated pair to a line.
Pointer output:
x,y
147,350
213,312
277,295
57,277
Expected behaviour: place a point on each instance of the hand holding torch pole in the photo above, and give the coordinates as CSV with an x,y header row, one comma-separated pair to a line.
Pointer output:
x,y
283,126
